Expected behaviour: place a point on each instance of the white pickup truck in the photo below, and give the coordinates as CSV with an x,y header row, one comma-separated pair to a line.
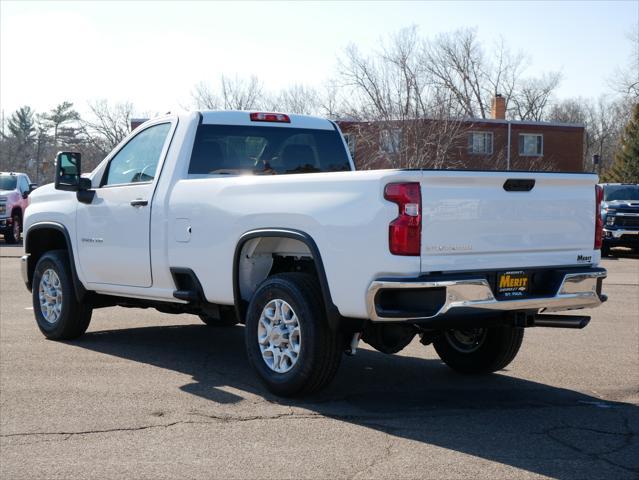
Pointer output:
x,y
260,219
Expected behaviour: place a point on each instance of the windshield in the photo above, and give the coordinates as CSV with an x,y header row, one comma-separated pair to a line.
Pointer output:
x,y
8,182
233,149
621,192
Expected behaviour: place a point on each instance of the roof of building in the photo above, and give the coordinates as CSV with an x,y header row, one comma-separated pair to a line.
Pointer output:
x,y
483,120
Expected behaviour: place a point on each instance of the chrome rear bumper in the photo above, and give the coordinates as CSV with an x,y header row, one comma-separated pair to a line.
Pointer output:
x,y
577,290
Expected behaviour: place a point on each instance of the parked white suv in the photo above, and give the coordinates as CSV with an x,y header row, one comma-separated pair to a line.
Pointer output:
x,y
259,218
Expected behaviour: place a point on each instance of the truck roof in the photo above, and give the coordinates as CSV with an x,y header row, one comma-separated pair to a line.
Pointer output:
x,y
240,117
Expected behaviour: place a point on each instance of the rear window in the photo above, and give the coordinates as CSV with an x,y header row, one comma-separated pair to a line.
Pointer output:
x,y
232,149
8,182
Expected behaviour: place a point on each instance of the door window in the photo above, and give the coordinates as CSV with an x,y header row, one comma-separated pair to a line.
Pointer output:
x,y
137,161
23,184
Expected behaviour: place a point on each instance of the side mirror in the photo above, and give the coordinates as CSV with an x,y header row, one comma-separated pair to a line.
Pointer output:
x,y
67,171
25,195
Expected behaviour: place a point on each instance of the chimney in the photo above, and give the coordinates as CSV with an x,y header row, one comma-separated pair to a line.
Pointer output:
x,y
498,107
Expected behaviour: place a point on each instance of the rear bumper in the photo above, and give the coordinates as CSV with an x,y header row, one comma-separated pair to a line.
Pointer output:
x,y
445,296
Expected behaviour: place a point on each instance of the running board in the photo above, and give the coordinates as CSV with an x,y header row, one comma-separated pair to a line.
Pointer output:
x,y
561,321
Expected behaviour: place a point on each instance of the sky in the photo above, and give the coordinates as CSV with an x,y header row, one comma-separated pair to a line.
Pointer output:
x,y
152,53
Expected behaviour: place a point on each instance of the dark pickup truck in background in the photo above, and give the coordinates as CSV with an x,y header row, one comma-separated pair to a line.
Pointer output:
x,y
620,214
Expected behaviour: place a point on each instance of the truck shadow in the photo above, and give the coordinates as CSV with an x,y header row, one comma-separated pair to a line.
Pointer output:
x,y
492,417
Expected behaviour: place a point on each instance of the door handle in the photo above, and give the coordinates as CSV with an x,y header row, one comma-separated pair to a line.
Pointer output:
x,y
139,203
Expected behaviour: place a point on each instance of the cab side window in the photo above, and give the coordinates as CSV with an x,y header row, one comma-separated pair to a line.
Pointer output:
x,y
23,185
137,161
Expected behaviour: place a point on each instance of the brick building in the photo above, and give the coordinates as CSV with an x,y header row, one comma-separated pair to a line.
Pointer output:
x,y
487,144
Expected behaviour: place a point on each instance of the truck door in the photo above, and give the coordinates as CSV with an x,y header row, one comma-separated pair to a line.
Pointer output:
x,y
113,230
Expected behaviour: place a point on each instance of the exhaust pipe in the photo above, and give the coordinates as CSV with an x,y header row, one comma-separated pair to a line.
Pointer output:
x,y
561,321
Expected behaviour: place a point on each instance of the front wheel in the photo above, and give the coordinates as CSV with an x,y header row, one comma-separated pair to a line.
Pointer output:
x,y
58,313
13,235
479,350
288,340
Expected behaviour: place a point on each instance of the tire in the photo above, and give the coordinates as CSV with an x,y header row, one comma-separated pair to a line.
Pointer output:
x,y
72,317
491,351
319,348
227,318
12,235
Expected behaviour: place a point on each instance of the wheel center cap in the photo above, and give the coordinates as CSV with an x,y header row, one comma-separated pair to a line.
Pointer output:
x,y
277,337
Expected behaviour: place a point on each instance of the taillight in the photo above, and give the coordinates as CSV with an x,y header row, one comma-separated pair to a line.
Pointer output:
x,y
269,117
598,219
405,232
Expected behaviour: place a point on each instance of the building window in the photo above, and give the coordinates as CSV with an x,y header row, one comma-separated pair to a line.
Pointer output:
x,y
389,140
350,142
531,144
480,143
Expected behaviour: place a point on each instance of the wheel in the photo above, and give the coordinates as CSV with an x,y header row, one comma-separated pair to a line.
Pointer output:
x,y
288,340
58,314
479,350
227,318
13,235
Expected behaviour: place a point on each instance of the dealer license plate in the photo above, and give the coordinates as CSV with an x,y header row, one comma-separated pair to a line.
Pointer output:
x,y
513,284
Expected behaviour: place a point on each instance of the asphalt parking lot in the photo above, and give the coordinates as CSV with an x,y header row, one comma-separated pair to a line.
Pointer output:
x,y
148,395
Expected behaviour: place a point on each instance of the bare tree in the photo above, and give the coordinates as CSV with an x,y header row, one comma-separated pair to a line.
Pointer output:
x,y
408,123
604,127
204,97
234,93
297,98
329,100
241,93
109,125
456,62
626,79
603,118
531,99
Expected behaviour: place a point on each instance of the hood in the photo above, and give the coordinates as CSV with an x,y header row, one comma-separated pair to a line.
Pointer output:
x,y
4,193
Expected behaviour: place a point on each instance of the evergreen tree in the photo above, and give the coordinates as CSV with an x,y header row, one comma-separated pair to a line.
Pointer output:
x,y
22,125
625,169
57,117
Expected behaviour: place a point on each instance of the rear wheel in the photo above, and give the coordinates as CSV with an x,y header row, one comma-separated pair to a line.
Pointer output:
x,y
13,234
58,313
479,350
288,340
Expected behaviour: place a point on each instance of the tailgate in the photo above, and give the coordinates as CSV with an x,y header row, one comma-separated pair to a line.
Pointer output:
x,y
471,222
